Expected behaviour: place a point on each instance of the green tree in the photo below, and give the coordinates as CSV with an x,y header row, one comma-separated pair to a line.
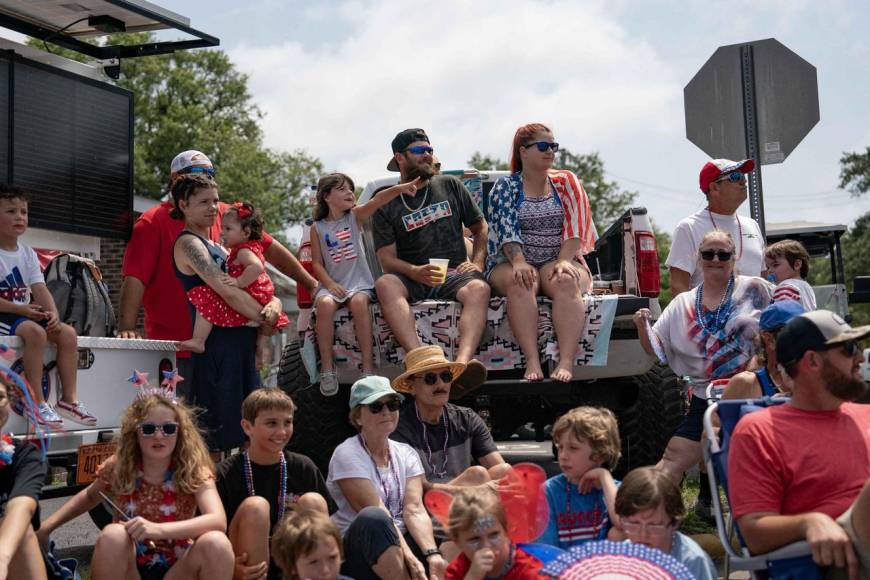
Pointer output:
x,y
607,198
855,172
199,100
487,162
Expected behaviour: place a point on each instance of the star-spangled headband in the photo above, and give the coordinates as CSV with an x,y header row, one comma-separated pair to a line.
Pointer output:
x,y
166,389
29,408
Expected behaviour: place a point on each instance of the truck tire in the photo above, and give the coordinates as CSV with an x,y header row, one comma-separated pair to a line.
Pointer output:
x,y
292,375
631,436
320,424
661,410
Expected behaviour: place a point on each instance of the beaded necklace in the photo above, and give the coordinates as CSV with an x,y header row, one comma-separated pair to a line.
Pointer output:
x,y
398,507
436,472
407,207
739,230
249,482
723,307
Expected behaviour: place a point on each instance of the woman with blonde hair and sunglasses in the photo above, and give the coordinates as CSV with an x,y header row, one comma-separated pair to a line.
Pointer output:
x,y
704,334
377,484
540,227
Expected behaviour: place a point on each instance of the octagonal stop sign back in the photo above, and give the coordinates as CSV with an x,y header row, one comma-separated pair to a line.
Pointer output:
x,y
783,93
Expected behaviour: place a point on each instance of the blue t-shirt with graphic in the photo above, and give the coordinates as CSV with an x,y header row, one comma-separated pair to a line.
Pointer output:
x,y
575,518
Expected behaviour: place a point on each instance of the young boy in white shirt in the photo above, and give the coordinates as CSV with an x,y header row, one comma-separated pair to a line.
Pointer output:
x,y
27,310
788,264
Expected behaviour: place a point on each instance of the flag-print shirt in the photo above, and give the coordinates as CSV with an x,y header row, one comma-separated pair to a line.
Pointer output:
x,y
706,352
575,518
343,257
502,214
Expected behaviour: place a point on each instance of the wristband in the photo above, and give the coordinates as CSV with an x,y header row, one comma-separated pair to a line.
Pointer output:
x,y
431,552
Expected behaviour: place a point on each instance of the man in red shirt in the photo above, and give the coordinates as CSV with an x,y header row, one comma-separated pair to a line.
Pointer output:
x,y
150,281
800,471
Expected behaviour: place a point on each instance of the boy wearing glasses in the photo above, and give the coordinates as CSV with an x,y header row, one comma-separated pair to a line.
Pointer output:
x,y
650,510
251,487
448,438
800,471
724,183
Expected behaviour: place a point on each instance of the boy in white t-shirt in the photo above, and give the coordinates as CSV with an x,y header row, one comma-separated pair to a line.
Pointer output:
x,y
27,310
788,264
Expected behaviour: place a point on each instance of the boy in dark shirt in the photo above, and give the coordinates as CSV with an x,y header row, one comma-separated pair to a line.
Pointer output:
x,y
250,485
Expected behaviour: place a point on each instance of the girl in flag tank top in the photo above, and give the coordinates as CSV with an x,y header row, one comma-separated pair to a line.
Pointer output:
x,y
340,266
242,233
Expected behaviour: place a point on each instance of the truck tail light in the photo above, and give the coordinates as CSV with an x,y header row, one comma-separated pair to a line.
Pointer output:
x,y
303,295
648,276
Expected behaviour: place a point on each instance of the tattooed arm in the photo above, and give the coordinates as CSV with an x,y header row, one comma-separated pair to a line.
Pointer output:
x,y
191,253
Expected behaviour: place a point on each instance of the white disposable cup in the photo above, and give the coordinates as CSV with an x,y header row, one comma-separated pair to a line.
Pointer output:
x,y
442,266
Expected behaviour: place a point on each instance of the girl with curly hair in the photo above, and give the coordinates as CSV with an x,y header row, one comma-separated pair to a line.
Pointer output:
x,y
161,476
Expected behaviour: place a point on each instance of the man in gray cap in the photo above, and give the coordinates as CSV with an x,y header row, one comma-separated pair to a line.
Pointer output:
x,y
800,471
409,231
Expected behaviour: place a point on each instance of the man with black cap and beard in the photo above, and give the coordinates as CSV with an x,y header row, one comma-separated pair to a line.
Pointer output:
x,y
411,230
800,471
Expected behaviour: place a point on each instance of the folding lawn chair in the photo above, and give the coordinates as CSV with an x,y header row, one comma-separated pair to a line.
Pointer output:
x,y
793,561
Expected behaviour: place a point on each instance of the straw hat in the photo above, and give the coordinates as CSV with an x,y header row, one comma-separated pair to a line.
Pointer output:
x,y
422,359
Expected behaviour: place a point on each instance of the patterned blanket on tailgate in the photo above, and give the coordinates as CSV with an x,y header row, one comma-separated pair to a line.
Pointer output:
x,y
438,323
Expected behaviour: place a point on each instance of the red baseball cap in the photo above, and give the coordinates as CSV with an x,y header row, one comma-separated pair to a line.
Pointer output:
x,y
717,167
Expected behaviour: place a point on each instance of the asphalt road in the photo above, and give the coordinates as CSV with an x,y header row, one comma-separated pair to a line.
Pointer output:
x,y
76,539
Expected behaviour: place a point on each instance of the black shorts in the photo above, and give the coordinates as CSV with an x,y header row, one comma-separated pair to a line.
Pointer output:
x,y
10,322
417,292
692,426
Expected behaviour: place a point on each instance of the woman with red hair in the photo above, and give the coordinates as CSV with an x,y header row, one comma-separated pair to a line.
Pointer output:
x,y
540,227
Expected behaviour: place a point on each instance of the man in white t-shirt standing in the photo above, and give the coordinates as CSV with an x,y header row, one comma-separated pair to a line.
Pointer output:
x,y
724,183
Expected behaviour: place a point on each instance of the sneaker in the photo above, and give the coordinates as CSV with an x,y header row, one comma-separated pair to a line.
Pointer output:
x,y
48,416
77,413
328,383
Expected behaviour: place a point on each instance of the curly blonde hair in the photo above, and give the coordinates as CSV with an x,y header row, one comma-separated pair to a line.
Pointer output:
x,y
192,463
471,504
597,426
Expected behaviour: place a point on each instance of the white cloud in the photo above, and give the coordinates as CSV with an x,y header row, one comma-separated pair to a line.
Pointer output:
x,y
468,72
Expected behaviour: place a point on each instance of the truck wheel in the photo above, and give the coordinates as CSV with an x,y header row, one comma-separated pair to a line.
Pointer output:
x,y
631,437
292,375
661,403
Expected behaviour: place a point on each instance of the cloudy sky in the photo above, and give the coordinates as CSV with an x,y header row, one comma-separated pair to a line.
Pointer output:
x,y
340,78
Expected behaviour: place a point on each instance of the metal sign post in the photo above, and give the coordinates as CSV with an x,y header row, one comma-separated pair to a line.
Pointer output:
x,y
750,127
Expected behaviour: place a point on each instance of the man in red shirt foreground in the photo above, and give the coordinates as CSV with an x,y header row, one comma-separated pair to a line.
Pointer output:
x,y
800,471
150,281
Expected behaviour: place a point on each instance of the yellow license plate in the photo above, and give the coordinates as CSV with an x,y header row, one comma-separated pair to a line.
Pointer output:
x,y
90,458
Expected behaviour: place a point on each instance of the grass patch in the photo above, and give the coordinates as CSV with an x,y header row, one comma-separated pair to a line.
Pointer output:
x,y
693,524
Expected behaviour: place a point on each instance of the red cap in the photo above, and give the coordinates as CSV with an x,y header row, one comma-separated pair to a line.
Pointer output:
x,y
717,167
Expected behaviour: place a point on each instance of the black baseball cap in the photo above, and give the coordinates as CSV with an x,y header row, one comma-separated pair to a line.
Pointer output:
x,y
815,330
401,142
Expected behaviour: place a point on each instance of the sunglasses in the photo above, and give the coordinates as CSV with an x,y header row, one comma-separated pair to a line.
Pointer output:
x,y
733,177
209,170
850,347
378,406
420,150
432,378
543,145
149,429
708,255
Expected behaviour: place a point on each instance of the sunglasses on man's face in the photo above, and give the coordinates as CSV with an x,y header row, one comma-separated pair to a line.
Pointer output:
x,y
850,347
207,170
543,145
733,177
149,429
420,150
378,406
432,378
708,255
